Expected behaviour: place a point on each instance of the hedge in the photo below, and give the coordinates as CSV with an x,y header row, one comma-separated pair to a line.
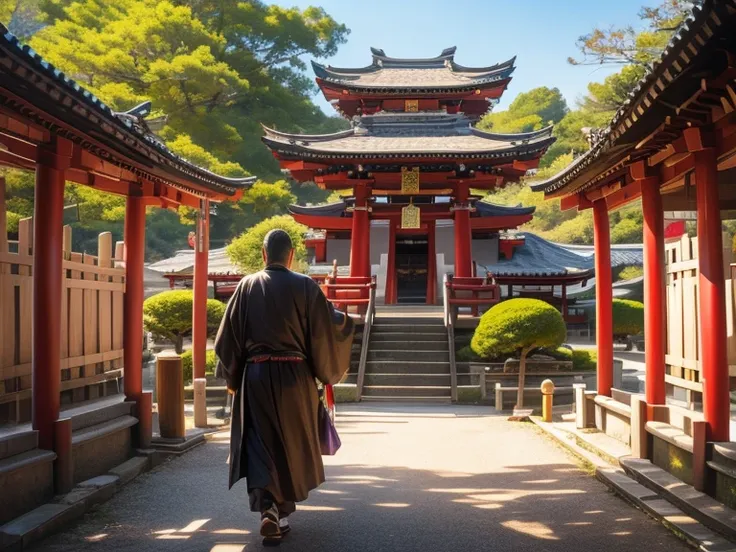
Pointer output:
x,y
188,368
628,317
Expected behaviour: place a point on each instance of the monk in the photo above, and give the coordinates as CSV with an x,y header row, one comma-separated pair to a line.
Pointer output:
x,y
278,335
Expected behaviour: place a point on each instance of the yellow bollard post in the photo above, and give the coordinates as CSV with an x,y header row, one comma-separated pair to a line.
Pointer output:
x,y
548,391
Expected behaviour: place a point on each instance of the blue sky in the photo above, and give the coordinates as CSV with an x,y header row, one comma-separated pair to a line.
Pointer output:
x,y
542,33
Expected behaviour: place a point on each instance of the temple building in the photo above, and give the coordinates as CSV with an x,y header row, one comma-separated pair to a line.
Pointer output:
x,y
416,169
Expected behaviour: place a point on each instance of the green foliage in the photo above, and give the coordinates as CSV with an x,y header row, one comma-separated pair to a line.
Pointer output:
x,y
518,324
529,111
216,69
466,354
628,317
168,316
188,366
246,250
630,272
628,230
11,221
584,360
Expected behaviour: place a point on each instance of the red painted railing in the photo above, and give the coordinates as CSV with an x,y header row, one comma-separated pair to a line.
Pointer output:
x,y
471,292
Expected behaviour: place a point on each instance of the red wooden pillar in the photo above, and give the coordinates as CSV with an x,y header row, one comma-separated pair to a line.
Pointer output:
x,y
713,355
603,296
201,274
135,245
390,293
360,239
655,312
463,235
431,264
48,225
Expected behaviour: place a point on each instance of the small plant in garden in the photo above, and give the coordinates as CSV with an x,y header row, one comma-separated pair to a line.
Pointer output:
x,y
628,317
168,316
188,366
518,326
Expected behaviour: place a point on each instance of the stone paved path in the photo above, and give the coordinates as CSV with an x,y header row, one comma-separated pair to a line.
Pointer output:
x,y
408,478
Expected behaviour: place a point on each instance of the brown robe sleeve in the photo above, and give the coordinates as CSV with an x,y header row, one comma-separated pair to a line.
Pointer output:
x,y
330,338
229,346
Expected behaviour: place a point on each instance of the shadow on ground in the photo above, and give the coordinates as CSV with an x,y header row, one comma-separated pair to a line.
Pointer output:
x,y
185,506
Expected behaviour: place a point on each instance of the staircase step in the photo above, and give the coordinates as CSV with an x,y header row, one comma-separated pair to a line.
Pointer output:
x,y
431,329
407,336
437,345
405,367
407,380
409,356
406,391
18,443
408,320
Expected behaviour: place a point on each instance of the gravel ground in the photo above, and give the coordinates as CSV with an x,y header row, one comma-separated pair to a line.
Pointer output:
x,y
407,478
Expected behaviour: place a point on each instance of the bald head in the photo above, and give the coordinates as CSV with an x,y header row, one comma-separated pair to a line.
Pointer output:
x,y
277,248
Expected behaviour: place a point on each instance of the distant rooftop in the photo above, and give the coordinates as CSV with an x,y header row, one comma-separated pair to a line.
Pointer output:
x,y
439,72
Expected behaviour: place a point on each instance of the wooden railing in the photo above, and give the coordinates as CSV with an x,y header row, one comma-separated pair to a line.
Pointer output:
x,y
91,326
364,346
450,319
471,292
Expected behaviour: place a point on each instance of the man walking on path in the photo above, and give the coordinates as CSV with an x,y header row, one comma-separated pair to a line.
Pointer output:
x,y
278,334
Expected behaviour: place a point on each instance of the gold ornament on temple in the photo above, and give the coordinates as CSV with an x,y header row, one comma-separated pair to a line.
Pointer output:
x,y
410,217
410,180
411,106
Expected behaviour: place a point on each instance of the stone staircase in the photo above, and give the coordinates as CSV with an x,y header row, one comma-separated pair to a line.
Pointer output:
x,y
408,360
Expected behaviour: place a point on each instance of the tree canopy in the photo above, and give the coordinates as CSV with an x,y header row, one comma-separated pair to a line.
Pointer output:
x,y
245,251
632,49
214,70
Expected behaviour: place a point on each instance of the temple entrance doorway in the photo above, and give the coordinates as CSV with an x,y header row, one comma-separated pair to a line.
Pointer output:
x,y
412,269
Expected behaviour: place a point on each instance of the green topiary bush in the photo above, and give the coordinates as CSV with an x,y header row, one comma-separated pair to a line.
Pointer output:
x,y
628,317
518,326
168,316
188,366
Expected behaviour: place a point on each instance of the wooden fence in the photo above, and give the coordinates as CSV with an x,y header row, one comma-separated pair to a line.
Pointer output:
x,y
91,326
683,326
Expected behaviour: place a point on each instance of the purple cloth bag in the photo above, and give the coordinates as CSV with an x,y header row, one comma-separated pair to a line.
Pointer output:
x,y
329,440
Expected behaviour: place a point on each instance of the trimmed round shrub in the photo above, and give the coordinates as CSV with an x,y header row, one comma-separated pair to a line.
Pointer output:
x,y
168,315
628,317
466,354
188,365
518,326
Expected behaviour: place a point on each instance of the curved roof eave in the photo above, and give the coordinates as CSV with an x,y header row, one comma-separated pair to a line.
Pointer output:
x,y
276,134
335,209
26,55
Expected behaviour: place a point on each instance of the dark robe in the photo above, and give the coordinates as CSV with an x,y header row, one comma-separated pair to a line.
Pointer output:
x,y
274,440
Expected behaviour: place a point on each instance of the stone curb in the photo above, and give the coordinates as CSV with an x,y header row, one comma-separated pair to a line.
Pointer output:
x,y
20,533
682,525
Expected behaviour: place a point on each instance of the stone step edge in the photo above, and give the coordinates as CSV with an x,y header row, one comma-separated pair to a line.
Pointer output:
x,y
26,530
615,478
725,527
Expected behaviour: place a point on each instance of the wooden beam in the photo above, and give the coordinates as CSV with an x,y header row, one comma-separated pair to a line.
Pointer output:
x,y
625,195
569,202
696,139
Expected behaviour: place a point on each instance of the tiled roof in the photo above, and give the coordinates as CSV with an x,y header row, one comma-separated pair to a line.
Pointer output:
x,y
183,263
420,134
483,209
621,254
440,72
649,111
123,130
539,257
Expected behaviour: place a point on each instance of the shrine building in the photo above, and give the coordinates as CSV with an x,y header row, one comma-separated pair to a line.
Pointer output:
x,y
416,169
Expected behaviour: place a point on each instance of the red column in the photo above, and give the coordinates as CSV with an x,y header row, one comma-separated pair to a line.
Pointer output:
x,y
48,224
603,297
655,312
713,355
135,244
199,309
390,293
360,239
431,264
463,235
